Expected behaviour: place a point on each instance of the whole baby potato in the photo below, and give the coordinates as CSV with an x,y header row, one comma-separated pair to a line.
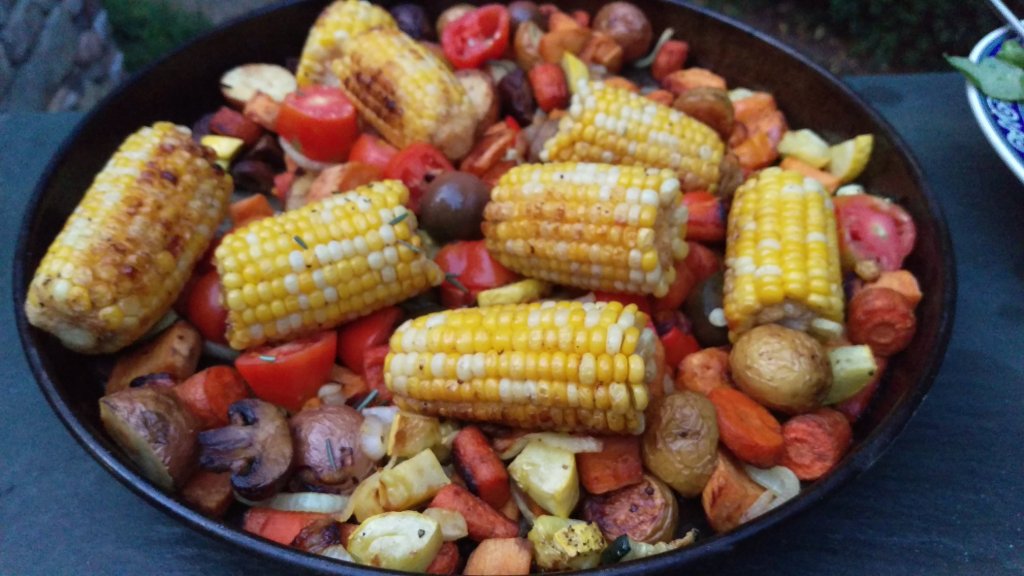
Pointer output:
x,y
784,369
680,444
628,25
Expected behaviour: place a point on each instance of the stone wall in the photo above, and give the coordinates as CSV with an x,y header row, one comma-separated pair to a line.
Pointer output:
x,y
55,55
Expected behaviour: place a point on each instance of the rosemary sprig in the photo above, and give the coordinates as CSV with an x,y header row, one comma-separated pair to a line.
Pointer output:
x,y
367,401
410,246
398,219
453,279
330,455
300,242
266,358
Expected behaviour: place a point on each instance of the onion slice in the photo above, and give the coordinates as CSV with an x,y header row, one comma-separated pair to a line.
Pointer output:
x,y
373,437
301,159
649,59
574,444
301,502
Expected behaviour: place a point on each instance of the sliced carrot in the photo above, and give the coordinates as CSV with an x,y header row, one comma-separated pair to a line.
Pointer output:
x,y
881,318
903,282
250,209
549,87
500,556
855,406
482,521
728,494
209,393
484,473
747,428
277,525
704,371
815,442
830,181
617,465
341,178
446,561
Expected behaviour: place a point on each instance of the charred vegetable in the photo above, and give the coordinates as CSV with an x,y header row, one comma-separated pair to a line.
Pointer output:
x,y
681,441
256,448
328,456
647,511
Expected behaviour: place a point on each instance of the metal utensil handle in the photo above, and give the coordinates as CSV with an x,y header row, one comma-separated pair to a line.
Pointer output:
x,y
1008,16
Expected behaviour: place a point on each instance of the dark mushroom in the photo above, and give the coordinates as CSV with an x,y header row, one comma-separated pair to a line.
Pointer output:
x,y
328,457
318,536
413,20
453,207
154,380
256,448
155,431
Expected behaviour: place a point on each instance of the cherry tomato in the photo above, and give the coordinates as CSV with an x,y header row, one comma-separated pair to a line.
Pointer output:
x,y
320,122
678,345
416,165
702,261
371,150
477,37
873,229
361,334
290,374
706,222
474,270
205,309
373,371
679,290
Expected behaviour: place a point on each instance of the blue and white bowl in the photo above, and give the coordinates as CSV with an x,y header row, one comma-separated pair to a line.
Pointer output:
x,y
1002,122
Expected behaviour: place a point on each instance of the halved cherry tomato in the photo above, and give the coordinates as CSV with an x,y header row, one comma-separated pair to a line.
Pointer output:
x,y
373,371
706,221
204,308
679,290
416,166
361,334
676,336
474,270
320,122
642,302
702,261
371,150
290,374
476,37
873,229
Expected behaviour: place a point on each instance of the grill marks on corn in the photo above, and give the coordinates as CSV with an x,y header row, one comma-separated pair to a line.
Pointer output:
x,y
606,124
594,226
554,365
338,22
352,261
782,256
129,246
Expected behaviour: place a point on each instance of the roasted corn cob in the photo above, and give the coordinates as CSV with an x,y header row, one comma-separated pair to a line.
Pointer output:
x,y
406,92
567,366
782,256
328,262
337,23
595,226
129,246
606,124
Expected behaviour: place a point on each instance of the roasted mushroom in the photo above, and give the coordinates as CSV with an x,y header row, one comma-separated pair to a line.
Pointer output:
x,y
156,432
328,457
318,536
256,448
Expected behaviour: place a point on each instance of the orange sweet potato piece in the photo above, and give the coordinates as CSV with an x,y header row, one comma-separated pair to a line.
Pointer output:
x,y
682,80
704,370
881,318
728,494
500,556
830,181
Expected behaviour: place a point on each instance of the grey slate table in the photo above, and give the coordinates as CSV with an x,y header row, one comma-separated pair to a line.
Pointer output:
x,y
947,498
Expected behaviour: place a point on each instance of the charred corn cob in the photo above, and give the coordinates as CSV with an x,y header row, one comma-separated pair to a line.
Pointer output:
x,y
328,262
782,256
567,366
129,246
606,124
594,226
337,23
406,92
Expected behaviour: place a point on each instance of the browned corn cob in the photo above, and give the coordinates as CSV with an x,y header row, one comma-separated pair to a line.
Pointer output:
x,y
554,365
606,124
342,20
782,256
130,245
595,226
318,266
406,92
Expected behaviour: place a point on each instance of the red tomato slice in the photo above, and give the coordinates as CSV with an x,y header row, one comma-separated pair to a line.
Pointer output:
x,y
416,165
205,309
873,229
474,269
477,37
678,345
359,335
290,374
320,122
371,150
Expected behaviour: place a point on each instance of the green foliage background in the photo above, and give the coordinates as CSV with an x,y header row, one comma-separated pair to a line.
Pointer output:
x,y
148,29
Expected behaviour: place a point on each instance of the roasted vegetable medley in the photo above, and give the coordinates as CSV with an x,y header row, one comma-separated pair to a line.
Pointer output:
x,y
509,291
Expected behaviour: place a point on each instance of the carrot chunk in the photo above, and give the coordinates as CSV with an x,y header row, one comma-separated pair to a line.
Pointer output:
x,y
209,393
480,467
815,442
250,209
617,465
482,521
277,525
746,427
881,318
446,561
903,282
704,370
830,181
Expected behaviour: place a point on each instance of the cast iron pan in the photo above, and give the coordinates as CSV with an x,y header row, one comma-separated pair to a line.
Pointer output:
x,y
184,86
